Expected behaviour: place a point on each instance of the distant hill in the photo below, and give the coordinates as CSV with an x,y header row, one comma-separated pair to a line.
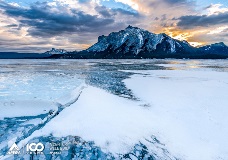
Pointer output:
x,y
56,51
15,55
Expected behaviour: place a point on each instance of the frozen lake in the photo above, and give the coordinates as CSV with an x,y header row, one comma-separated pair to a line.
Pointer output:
x,y
161,109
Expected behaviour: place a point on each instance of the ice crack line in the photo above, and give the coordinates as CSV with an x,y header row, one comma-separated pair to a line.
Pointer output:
x,y
49,116
53,114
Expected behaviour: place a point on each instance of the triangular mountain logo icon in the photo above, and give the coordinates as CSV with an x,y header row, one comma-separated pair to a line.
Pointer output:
x,y
14,149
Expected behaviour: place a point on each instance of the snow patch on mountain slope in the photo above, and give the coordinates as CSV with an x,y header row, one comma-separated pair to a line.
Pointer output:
x,y
172,44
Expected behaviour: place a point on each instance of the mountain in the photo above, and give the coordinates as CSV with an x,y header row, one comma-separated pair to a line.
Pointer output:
x,y
16,55
56,51
217,48
136,43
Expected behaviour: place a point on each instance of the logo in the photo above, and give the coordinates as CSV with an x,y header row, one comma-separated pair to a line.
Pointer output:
x,y
58,147
33,147
14,149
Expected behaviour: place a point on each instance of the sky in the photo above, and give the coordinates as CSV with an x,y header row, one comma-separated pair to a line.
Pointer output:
x,y
38,26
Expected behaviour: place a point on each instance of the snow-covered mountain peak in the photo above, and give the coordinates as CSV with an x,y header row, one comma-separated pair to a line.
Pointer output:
x,y
131,37
135,40
56,51
132,27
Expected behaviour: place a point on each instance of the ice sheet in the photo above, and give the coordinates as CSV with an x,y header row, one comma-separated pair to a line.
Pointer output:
x,y
25,108
190,108
184,107
111,122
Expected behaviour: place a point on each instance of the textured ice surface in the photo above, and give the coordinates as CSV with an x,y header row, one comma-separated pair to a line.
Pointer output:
x,y
22,108
131,109
190,110
34,81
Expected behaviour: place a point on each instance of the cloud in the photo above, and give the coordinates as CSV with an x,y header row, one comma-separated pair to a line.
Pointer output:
x,y
63,20
45,20
206,38
215,9
76,24
160,13
192,21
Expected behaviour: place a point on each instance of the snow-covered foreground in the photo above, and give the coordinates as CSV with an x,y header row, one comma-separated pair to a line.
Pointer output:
x,y
189,108
176,114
